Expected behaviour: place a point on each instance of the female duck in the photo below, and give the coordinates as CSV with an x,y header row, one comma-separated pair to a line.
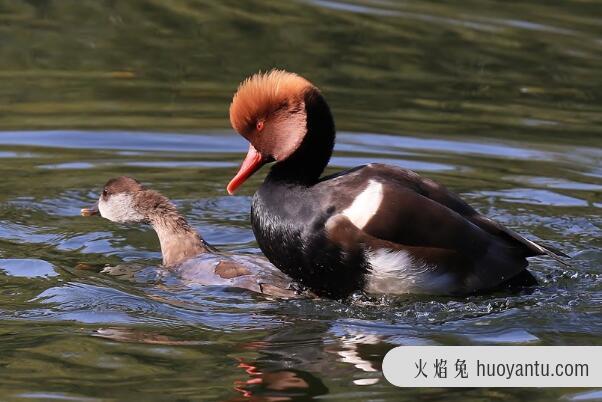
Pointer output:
x,y
125,200
376,228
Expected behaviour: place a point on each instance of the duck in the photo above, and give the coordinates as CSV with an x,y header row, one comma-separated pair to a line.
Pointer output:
x,y
184,251
374,228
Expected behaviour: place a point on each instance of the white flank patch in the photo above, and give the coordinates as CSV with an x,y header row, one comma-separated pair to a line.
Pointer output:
x,y
365,205
386,261
119,208
397,272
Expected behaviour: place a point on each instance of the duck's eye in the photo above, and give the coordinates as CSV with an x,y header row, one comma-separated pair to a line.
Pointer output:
x,y
259,125
105,193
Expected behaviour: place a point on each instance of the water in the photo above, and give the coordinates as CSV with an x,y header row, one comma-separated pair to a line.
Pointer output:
x,y
500,101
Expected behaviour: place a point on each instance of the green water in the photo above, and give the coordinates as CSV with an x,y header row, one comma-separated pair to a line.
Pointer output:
x,y
499,100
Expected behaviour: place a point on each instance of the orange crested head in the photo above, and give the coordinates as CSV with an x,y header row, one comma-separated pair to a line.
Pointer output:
x,y
262,94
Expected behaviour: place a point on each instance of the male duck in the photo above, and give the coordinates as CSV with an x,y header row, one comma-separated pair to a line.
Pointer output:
x,y
376,228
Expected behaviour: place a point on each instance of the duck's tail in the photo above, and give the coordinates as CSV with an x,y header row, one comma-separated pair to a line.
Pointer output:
x,y
550,252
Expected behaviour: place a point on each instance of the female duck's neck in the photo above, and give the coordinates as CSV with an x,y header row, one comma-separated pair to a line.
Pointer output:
x,y
179,241
307,163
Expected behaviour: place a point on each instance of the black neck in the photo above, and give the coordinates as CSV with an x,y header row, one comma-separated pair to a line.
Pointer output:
x,y
308,162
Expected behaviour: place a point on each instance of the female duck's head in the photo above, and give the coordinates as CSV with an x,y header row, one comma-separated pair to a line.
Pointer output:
x,y
123,200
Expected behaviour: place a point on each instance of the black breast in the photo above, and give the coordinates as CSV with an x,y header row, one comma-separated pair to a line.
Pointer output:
x,y
289,227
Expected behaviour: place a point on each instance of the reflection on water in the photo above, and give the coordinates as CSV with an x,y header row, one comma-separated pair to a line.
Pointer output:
x,y
29,268
498,101
533,196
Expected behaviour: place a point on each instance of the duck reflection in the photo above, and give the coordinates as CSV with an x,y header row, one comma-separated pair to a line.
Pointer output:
x,y
340,352
287,365
134,336
277,385
261,381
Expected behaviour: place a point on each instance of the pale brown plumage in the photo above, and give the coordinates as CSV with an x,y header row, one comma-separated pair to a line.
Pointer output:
x,y
184,250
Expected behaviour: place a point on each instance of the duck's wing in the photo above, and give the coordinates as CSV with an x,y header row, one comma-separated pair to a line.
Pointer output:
x,y
442,195
399,215
397,182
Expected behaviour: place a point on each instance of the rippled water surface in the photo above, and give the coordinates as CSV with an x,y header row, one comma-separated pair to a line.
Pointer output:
x,y
501,101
